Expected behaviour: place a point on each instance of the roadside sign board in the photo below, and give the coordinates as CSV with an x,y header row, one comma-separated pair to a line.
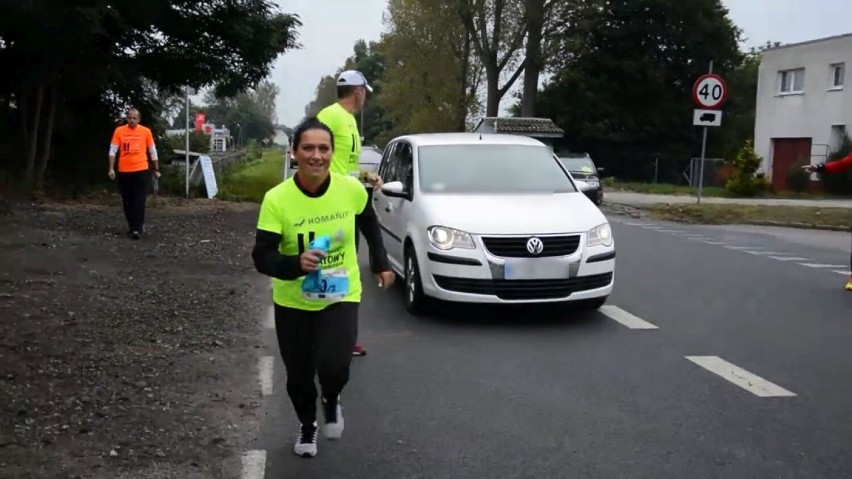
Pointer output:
x,y
709,92
707,117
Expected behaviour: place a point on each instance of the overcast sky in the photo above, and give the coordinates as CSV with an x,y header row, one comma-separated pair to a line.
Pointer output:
x,y
328,38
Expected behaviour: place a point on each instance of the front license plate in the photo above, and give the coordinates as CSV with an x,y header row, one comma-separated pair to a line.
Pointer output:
x,y
536,268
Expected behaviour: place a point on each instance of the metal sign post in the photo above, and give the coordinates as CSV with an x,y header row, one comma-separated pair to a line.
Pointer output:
x,y
186,127
709,93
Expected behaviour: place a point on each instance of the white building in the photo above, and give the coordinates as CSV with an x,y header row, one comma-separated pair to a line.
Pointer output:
x,y
803,110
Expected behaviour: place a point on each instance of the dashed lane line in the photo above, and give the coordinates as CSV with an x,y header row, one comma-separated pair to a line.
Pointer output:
x,y
789,258
253,465
843,272
265,367
823,266
749,381
626,319
269,320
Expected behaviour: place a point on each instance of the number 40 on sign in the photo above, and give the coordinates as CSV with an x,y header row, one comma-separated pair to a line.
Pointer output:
x,y
709,93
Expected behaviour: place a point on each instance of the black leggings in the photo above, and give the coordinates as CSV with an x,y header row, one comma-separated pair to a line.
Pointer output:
x,y
316,343
134,188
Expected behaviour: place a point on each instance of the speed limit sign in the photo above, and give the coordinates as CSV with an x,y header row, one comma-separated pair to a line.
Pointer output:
x,y
709,91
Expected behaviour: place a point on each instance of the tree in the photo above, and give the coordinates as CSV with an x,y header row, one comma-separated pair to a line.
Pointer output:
x,y
326,94
431,77
122,55
497,49
622,81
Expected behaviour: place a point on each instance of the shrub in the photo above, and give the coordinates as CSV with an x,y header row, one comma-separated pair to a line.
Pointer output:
x,y
199,142
797,178
745,181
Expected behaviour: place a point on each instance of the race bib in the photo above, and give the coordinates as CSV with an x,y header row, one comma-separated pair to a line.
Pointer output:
x,y
326,285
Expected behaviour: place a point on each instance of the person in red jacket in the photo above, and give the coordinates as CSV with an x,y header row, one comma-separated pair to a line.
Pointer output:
x,y
840,166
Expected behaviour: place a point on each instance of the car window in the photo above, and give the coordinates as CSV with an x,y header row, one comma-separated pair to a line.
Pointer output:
x,y
581,164
388,168
405,174
490,168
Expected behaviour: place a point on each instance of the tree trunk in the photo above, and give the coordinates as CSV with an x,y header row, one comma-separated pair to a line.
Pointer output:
x,y
47,142
535,26
32,140
464,81
492,98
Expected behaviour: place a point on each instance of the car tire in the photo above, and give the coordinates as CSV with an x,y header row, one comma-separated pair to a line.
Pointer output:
x,y
415,300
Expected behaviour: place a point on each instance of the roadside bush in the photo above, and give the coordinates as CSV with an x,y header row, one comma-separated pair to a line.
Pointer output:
x,y
253,150
797,178
839,183
745,181
199,142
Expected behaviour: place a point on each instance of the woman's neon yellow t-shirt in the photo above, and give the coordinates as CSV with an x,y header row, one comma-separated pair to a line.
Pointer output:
x,y
298,218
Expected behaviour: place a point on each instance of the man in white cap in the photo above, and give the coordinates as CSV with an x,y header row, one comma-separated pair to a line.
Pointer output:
x,y
352,90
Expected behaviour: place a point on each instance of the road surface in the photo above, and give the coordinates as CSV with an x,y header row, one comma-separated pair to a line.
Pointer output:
x,y
724,352
642,199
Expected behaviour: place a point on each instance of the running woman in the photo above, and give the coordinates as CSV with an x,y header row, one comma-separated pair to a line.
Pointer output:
x,y
352,90
316,336
839,166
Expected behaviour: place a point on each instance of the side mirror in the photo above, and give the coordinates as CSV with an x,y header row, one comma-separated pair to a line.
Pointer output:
x,y
394,189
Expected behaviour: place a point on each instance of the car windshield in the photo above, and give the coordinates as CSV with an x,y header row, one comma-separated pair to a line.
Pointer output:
x,y
580,164
490,168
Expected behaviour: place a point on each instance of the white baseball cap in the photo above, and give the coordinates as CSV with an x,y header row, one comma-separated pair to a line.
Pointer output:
x,y
353,78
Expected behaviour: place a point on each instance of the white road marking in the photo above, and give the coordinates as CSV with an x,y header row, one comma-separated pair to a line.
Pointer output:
x,y
764,253
265,367
823,266
789,258
254,465
635,224
739,376
741,248
714,242
669,231
269,320
625,318
844,273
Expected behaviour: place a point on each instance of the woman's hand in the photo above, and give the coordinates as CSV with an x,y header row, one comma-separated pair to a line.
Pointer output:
x,y
310,260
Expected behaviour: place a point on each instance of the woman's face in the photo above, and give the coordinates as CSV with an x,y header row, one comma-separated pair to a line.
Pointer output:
x,y
313,154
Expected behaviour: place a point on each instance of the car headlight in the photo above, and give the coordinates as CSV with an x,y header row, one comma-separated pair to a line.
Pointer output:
x,y
445,238
592,184
600,236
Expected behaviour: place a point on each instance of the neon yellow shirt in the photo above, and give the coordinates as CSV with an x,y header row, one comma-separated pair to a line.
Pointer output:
x,y
347,140
298,218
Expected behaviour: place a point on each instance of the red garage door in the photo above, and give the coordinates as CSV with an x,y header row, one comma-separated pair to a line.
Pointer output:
x,y
788,153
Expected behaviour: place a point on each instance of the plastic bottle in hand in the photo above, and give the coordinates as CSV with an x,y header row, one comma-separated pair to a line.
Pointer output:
x,y
312,283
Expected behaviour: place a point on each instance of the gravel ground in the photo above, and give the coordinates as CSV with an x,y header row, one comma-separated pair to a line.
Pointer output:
x,y
128,359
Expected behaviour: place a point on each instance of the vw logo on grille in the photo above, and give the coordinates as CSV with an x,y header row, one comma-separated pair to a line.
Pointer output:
x,y
534,245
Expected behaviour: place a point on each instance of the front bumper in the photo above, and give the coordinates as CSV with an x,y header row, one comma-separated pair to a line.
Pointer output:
x,y
480,276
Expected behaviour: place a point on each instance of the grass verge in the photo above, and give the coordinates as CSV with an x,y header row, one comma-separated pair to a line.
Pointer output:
x,y
250,180
809,217
664,189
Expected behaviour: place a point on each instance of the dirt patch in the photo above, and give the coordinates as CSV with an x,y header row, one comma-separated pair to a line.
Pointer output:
x,y
123,358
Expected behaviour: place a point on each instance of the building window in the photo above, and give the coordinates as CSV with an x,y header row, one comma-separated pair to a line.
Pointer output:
x,y
838,74
792,81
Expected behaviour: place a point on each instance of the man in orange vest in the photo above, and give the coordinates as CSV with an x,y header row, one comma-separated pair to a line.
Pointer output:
x,y
133,143
834,167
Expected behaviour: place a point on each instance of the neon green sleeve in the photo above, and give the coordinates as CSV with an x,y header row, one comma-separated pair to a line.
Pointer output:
x,y
359,195
270,218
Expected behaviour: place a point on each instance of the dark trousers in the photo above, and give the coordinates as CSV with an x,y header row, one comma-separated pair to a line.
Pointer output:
x,y
134,189
316,343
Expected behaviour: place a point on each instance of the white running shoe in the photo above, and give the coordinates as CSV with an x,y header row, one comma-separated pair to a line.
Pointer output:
x,y
333,427
306,442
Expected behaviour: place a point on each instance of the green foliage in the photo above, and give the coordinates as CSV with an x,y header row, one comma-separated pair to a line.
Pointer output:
x,y
839,183
199,142
253,150
622,76
250,180
61,103
744,181
797,178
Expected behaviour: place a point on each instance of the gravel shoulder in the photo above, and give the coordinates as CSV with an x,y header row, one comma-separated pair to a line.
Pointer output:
x,y
128,359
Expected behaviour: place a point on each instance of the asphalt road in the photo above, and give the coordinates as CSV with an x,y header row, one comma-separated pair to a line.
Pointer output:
x,y
482,393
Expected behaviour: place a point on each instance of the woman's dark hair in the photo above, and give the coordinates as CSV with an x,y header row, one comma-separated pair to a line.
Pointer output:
x,y
311,123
